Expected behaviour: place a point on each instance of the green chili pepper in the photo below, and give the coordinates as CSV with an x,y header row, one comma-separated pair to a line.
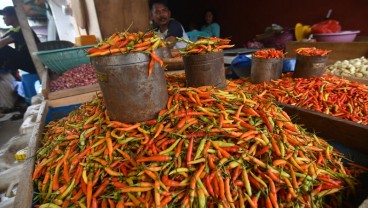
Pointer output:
x,y
170,149
200,148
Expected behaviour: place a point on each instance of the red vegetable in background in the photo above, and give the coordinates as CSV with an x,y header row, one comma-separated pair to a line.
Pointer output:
x,y
268,53
327,26
79,76
312,51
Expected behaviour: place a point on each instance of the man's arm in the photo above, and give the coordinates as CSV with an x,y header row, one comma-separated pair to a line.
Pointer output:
x,y
175,30
171,41
6,41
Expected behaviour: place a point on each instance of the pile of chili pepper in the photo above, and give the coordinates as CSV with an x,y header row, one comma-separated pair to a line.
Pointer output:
x,y
329,94
312,51
268,53
205,45
126,42
208,148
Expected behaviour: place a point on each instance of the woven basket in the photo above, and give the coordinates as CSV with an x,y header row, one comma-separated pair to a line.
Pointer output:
x,y
61,60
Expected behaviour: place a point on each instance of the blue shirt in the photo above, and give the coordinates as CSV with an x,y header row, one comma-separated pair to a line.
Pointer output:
x,y
212,29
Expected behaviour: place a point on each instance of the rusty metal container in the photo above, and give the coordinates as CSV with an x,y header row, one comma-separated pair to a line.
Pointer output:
x,y
310,66
265,70
205,70
130,94
166,52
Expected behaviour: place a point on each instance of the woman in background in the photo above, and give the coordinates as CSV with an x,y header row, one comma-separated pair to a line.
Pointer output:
x,y
210,26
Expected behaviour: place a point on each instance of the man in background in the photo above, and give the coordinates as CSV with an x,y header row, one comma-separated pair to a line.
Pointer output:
x,y
18,56
14,55
168,28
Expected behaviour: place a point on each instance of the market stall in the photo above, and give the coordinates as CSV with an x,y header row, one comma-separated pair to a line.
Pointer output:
x,y
132,134
229,145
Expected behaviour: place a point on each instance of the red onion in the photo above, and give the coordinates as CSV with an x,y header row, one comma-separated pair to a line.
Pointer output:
x,y
79,76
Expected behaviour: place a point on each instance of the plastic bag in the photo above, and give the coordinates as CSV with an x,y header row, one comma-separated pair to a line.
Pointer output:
x,y
240,66
35,8
288,65
327,26
7,94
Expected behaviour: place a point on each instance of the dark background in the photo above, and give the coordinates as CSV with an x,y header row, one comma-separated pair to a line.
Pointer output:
x,y
242,20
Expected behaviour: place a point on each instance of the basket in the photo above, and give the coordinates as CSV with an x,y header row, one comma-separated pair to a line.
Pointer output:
x,y
54,44
343,36
61,60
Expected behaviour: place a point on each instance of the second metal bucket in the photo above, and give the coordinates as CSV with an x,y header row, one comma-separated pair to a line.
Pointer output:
x,y
265,70
130,94
205,70
310,66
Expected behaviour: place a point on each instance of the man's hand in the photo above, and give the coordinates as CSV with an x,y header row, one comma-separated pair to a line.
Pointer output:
x,y
5,41
172,40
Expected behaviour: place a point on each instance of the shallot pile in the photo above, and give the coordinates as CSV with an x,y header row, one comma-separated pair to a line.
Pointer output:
x,y
79,76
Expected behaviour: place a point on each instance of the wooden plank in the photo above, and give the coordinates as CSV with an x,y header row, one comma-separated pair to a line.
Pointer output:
x,y
175,72
340,51
173,64
28,35
24,196
77,99
92,20
73,91
63,21
356,79
119,15
45,83
346,132
79,13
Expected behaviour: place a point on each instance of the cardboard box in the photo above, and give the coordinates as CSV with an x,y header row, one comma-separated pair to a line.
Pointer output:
x,y
85,40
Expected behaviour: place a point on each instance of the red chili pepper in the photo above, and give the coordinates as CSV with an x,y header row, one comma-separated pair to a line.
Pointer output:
x,y
190,150
268,53
312,51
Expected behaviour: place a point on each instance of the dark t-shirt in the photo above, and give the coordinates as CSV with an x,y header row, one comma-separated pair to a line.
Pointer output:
x,y
174,29
19,41
18,58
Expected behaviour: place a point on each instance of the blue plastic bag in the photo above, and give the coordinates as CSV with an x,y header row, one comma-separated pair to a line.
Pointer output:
x,y
56,113
240,66
288,65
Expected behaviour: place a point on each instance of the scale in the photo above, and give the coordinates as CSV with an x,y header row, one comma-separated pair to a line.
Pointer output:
x,y
239,51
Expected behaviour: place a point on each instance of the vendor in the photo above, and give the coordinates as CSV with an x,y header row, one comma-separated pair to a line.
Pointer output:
x,y
168,28
211,26
19,56
14,55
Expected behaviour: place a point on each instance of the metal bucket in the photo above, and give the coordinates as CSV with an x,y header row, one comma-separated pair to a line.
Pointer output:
x,y
205,70
166,52
265,70
310,66
130,94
